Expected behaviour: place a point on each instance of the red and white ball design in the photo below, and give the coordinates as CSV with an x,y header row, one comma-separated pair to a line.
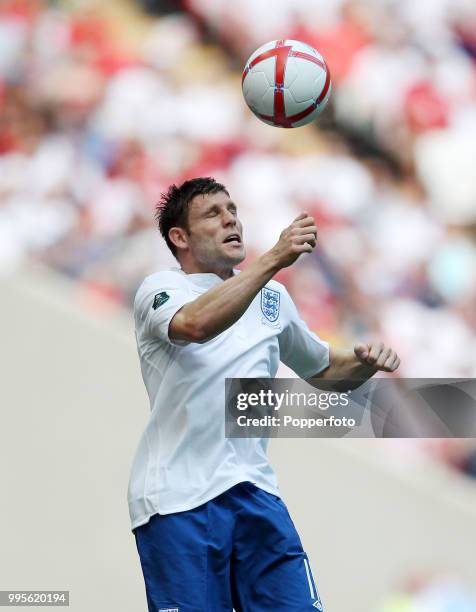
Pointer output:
x,y
286,83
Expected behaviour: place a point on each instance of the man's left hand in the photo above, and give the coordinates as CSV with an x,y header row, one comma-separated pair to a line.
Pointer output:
x,y
378,356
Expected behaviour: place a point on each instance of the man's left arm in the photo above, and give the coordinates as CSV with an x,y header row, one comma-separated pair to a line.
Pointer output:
x,y
349,368
324,366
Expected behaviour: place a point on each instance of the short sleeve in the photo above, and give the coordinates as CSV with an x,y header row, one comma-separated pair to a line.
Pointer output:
x,y
159,298
300,348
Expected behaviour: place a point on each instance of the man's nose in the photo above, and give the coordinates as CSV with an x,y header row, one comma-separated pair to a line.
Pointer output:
x,y
228,218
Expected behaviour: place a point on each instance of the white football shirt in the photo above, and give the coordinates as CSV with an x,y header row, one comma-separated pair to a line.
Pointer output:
x,y
184,459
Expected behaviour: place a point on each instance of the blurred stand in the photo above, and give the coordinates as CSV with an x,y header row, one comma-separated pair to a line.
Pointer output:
x,y
102,108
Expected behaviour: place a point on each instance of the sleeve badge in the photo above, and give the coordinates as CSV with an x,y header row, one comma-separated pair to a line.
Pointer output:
x,y
159,299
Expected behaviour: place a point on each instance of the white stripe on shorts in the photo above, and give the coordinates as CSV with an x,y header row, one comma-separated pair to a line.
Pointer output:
x,y
308,573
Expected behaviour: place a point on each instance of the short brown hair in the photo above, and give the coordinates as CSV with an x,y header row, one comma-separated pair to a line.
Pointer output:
x,y
172,209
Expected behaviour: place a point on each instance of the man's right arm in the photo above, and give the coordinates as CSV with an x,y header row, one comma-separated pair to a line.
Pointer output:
x,y
221,306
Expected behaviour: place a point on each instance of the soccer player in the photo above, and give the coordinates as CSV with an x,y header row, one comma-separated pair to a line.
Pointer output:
x,y
212,531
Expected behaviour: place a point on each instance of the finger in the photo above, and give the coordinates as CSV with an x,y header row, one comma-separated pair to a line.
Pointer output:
x,y
392,363
382,358
300,217
308,229
374,352
311,238
303,248
304,222
392,356
396,364
389,360
361,350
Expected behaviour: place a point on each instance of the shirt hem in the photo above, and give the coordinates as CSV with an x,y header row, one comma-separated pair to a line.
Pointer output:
x,y
144,519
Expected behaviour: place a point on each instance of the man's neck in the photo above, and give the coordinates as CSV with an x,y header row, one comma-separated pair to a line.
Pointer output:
x,y
223,273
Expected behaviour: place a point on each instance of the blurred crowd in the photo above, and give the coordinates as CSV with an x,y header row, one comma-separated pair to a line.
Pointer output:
x,y
93,129
91,132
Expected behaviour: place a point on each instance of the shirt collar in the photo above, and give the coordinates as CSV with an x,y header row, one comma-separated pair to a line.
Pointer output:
x,y
204,279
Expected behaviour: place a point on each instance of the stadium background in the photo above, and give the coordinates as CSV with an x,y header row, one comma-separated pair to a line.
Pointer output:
x,y
102,106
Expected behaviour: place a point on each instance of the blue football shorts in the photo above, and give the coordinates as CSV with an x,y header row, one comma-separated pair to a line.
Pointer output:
x,y
238,551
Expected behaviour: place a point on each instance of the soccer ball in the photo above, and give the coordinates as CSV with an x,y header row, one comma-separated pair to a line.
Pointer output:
x,y
286,83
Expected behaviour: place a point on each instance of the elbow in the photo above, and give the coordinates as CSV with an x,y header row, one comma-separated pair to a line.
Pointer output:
x,y
187,328
197,334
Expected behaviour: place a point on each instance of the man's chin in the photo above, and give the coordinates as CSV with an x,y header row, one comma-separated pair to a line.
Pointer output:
x,y
239,258
234,258
231,262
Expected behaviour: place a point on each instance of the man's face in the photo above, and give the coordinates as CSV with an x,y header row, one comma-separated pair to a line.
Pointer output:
x,y
215,236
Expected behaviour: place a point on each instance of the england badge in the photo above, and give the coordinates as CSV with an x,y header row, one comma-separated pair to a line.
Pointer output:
x,y
270,300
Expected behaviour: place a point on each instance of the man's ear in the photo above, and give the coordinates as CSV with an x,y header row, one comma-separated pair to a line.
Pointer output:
x,y
179,237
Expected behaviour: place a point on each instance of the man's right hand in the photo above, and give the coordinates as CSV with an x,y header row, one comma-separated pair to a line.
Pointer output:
x,y
300,237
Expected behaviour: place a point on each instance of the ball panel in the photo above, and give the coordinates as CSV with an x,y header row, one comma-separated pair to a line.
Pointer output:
x,y
255,87
266,106
306,85
294,107
291,73
315,114
268,68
